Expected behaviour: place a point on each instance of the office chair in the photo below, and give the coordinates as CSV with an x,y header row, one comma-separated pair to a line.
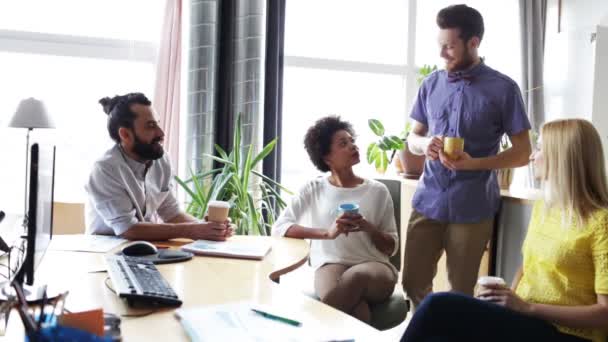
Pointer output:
x,y
393,311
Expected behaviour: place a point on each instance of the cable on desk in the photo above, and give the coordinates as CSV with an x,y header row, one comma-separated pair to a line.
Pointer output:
x,y
108,285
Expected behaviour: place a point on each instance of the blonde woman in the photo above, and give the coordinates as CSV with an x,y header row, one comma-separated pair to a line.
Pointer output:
x,y
561,291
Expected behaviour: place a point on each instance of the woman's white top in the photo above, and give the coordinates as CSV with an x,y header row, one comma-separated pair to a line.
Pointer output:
x,y
316,206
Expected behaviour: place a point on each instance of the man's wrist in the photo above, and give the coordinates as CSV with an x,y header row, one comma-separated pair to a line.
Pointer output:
x,y
478,164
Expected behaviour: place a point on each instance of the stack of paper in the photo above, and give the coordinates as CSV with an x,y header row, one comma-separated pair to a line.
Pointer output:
x,y
238,322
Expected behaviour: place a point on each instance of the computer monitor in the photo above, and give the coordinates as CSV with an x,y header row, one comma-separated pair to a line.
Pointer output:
x,y
40,209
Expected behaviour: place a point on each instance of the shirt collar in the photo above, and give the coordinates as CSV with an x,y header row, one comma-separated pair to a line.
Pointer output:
x,y
137,167
468,74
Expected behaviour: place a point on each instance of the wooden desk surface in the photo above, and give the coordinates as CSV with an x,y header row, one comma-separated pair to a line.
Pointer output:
x,y
198,282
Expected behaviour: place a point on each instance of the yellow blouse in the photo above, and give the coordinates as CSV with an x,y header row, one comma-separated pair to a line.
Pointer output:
x,y
565,264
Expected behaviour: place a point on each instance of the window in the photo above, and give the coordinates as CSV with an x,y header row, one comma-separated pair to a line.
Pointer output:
x,y
342,57
501,41
69,54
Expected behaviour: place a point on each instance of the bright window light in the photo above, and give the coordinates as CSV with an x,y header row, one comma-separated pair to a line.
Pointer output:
x,y
70,86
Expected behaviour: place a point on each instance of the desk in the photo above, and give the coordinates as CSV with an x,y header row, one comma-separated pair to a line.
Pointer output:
x,y
198,282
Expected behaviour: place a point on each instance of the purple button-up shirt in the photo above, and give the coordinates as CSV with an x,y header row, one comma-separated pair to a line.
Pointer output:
x,y
480,106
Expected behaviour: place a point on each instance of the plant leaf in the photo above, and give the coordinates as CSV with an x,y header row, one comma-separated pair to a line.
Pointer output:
x,y
395,142
218,159
203,175
221,151
265,152
376,127
372,152
236,144
246,171
253,215
271,181
383,144
186,188
382,162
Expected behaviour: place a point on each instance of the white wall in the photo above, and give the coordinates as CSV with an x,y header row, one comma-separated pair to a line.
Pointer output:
x,y
576,63
570,58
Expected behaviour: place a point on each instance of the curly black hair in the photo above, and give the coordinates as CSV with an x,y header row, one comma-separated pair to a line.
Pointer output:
x,y
119,111
467,19
317,140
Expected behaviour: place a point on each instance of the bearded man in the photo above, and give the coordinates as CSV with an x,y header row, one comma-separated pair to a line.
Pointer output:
x,y
458,196
130,187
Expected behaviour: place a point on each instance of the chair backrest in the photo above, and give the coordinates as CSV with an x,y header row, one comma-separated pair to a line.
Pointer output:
x,y
394,188
68,218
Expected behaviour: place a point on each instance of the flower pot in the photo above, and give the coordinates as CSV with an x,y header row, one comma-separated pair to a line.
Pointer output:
x,y
398,165
413,165
505,177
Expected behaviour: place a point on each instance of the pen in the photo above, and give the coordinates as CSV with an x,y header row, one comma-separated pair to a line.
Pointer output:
x,y
277,318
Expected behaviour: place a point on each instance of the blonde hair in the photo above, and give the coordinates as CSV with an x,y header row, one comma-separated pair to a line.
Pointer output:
x,y
574,168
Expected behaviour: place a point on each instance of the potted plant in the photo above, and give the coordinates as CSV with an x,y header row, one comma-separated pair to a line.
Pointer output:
x,y
412,164
505,176
377,152
252,207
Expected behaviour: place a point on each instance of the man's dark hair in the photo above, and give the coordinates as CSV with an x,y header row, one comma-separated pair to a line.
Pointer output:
x,y
119,111
463,17
317,140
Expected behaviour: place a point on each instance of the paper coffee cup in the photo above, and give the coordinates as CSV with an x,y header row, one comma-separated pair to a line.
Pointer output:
x,y
452,145
217,211
487,280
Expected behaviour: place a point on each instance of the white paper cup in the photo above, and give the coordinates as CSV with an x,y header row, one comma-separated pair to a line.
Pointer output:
x,y
217,211
487,280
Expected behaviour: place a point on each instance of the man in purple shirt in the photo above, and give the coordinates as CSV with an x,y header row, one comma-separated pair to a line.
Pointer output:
x,y
457,199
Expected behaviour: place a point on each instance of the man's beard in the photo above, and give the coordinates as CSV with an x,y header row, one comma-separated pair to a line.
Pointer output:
x,y
464,63
148,151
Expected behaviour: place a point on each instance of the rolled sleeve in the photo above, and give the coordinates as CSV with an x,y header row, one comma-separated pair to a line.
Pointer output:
x,y
419,112
169,208
110,200
292,214
514,117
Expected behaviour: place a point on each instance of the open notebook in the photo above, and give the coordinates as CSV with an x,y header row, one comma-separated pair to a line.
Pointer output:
x,y
231,249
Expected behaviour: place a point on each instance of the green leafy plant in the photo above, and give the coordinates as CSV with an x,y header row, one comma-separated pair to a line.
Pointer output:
x,y
253,212
424,72
377,152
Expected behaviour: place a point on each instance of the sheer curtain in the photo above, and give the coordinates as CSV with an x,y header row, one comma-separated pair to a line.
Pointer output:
x,y
167,89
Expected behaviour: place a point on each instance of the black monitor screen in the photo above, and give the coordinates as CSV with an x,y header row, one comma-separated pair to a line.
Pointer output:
x,y
40,210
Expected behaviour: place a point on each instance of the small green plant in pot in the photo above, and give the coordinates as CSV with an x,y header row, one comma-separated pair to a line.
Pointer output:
x,y
377,152
253,212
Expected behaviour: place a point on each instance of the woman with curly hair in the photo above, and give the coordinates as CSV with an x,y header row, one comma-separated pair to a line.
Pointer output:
x,y
350,252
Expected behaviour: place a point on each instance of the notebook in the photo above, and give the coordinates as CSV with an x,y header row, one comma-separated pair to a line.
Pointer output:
x,y
230,249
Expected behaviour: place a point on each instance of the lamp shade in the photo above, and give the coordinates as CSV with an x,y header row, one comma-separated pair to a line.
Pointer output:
x,y
31,113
